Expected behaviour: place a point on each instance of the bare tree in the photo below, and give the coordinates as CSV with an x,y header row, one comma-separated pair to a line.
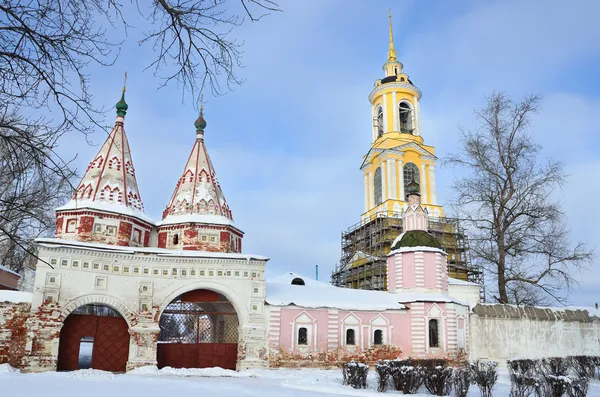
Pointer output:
x,y
46,48
508,199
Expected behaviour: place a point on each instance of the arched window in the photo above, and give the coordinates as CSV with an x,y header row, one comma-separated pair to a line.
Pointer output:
x,y
298,281
378,337
350,340
379,121
434,339
402,79
302,336
176,239
405,114
411,173
377,186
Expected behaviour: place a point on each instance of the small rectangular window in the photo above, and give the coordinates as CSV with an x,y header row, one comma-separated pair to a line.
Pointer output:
x,y
64,262
434,339
174,272
96,266
202,272
211,273
75,263
193,272
237,273
219,273
184,272
146,270
302,336
86,265
105,268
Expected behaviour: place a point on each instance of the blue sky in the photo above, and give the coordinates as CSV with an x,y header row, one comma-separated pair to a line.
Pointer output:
x,y
288,143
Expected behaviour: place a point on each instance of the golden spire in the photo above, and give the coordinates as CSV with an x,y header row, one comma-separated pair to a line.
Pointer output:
x,y
391,51
125,82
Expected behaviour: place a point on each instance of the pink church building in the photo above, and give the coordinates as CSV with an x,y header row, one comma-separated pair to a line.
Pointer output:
x,y
424,313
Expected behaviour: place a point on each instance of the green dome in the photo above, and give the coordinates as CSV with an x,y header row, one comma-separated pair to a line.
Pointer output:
x,y
200,123
416,238
413,188
122,105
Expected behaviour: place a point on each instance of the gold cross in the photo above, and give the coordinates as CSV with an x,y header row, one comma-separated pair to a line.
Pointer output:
x,y
125,82
201,102
390,13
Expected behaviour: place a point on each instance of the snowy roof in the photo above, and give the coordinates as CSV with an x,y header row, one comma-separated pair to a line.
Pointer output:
x,y
109,183
6,269
406,297
198,196
455,281
117,208
15,296
56,242
316,294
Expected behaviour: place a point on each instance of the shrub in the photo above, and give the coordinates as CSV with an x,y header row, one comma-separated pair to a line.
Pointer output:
x,y
583,366
578,387
406,376
555,386
524,377
484,376
383,375
438,379
461,381
355,374
556,366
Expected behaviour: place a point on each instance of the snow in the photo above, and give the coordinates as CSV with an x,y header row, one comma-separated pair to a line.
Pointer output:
x,y
316,294
53,242
418,248
15,296
6,368
406,297
215,372
118,208
259,383
6,269
196,218
593,312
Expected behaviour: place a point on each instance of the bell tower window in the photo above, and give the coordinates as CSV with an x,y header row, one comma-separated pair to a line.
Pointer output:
x,y
379,122
405,114
377,186
411,173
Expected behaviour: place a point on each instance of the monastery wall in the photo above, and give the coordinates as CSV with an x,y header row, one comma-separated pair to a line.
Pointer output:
x,y
503,332
13,332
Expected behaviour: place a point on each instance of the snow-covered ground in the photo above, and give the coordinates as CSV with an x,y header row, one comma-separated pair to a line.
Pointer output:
x,y
202,382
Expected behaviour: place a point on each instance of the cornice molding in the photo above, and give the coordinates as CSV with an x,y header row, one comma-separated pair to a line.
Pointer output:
x,y
385,86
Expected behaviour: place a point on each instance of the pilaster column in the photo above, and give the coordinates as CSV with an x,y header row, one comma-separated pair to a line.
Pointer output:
x,y
384,185
366,192
385,113
371,198
390,187
401,179
392,166
142,345
417,117
424,198
395,111
432,184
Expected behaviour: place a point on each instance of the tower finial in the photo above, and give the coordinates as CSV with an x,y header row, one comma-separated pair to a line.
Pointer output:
x,y
122,105
200,123
391,51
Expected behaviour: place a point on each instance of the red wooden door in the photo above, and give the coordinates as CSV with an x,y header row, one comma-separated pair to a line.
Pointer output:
x,y
111,342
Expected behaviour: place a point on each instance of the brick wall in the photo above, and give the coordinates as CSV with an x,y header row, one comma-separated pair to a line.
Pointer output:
x,y
13,335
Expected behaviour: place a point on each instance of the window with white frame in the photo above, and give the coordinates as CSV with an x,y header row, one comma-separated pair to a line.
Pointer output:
x,y
71,226
434,336
378,337
379,122
350,337
405,115
302,336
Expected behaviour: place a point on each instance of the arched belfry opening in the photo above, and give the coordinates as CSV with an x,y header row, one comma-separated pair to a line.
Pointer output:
x,y
94,336
406,116
379,122
198,329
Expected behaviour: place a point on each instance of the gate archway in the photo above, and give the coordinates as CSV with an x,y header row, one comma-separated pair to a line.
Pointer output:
x,y
94,336
198,329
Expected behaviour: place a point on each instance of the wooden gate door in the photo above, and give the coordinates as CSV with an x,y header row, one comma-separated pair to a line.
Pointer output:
x,y
110,342
198,334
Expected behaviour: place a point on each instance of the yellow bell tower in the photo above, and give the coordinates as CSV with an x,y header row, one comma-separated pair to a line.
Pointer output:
x,y
398,154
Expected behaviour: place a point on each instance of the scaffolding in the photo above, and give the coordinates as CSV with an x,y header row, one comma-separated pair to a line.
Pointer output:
x,y
365,247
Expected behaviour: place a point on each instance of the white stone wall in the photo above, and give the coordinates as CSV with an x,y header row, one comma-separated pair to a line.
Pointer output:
x,y
526,335
141,285
468,294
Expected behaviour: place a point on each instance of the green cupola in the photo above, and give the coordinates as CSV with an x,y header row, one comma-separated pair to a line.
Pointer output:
x,y
121,106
